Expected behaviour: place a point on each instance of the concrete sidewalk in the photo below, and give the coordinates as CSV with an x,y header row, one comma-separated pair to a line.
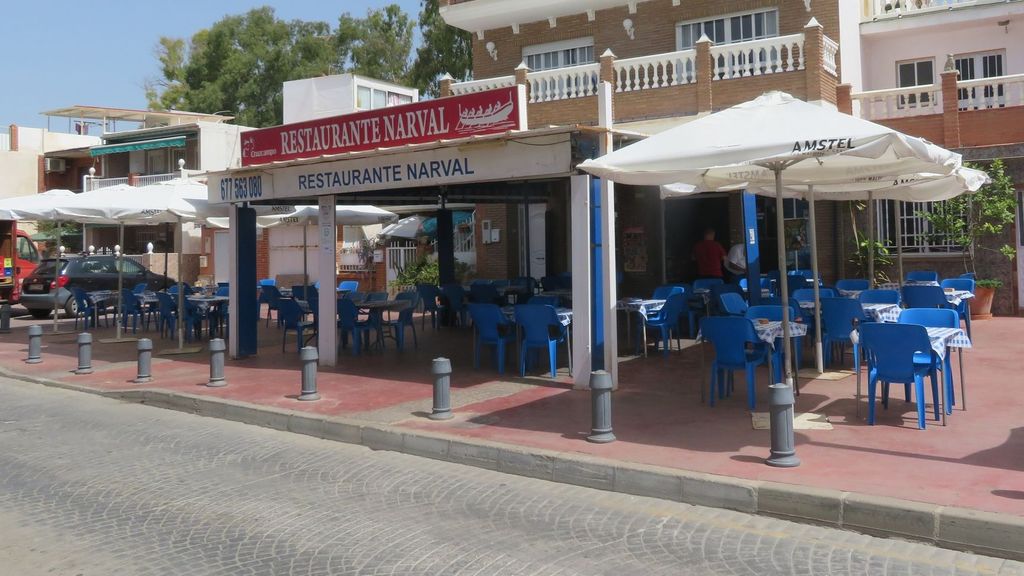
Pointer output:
x,y
889,479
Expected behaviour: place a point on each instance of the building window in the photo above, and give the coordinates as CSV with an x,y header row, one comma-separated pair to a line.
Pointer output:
x,y
915,231
559,54
729,29
976,66
915,73
368,98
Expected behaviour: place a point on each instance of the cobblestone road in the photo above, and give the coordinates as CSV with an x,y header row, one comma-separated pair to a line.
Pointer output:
x,y
90,486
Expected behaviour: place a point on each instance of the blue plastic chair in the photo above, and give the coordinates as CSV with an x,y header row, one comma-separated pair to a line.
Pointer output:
x,y
716,295
541,329
272,296
925,297
268,282
548,283
376,296
922,276
964,308
852,284
492,328
895,353
774,312
129,306
807,294
483,293
140,288
455,302
879,296
349,323
429,295
348,286
696,307
737,347
837,316
663,292
222,291
85,309
665,320
544,300
937,318
167,310
398,326
291,315
732,304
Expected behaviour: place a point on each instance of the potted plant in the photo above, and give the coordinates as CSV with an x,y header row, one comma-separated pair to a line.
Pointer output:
x,y
974,223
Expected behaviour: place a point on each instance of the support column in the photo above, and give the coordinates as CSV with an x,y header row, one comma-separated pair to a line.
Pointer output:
x,y
579,201
445,247
327,266
704,69
609,271
243,304
950,105
753,249
811,56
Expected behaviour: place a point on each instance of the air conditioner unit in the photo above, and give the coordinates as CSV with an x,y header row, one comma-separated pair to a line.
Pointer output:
x,y
55,165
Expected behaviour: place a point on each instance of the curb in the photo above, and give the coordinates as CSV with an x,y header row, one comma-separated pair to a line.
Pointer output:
x,y
988,533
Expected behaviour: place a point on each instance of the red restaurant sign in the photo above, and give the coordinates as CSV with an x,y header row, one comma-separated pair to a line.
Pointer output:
x,y
488,112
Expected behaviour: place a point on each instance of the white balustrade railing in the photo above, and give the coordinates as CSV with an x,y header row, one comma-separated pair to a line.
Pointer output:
x,y
828,58
482,85
99,183
996,92
563,83
655,71
757,57
879,9
900,102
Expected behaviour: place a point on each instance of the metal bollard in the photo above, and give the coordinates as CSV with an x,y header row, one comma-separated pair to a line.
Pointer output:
x,y
783,452
145,347
309,356
84,354
217,349
35,344
601,407
442,371
5,318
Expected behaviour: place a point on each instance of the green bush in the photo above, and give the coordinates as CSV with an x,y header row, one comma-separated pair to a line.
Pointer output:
x,y
422,271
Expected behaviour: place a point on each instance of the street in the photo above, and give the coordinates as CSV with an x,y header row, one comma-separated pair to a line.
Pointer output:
x,y
93,486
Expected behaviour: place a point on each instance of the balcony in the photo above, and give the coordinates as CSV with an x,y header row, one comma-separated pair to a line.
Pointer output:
x,y
986,111
879,10
136,180
672,84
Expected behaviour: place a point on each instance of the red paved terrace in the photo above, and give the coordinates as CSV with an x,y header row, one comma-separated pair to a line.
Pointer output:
x,y
976,461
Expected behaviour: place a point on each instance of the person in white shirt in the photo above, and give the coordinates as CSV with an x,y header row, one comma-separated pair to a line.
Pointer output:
x,y
736,261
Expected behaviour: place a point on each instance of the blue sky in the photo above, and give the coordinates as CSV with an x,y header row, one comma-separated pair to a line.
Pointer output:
x,y
101,53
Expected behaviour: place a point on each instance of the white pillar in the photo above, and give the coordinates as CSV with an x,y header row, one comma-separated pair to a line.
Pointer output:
x,y
327,265
579,200
233,280
609,272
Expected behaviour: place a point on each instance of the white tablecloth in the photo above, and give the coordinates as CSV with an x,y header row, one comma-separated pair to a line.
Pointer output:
x,y
943,338
564,314
644,307
883,312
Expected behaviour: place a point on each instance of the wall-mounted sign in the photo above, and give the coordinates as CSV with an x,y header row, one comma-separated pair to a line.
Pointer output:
x,y
488,112
538,156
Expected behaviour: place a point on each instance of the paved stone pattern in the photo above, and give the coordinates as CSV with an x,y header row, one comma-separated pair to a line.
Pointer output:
x,y
92,486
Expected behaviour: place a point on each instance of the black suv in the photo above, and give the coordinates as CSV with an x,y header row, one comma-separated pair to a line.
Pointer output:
x,y
96,272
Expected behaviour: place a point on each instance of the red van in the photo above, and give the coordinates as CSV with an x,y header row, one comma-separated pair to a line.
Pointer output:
x,y
20,259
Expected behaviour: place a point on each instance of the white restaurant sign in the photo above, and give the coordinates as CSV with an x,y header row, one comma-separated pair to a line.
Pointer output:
x,y
497,160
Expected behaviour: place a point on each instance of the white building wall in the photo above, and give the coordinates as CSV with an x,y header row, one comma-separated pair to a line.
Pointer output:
x,y
881,52
20,173
849,45
219,145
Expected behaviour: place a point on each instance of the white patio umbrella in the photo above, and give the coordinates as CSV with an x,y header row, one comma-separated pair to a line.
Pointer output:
x,y
40,207
408,227
773,139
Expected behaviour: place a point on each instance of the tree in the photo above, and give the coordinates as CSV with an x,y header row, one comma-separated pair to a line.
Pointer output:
x,y
971,221
239,64
444,49
377,46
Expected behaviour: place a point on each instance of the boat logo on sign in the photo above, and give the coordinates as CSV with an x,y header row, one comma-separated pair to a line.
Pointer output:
x,y
822,145
496,115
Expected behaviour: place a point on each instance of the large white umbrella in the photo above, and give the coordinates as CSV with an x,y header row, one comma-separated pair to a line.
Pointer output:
x,y
408,228
773,139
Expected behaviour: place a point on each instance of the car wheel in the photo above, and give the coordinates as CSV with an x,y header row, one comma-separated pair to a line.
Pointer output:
x,y
39,314
71,308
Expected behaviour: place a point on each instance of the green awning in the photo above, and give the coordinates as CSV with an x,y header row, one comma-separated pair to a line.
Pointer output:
x,y
172,142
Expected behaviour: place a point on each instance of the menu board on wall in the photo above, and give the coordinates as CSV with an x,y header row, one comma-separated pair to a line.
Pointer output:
x,y
634,250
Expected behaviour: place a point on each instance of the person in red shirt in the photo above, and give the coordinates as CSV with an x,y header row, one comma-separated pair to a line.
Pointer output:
x,y
709,255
